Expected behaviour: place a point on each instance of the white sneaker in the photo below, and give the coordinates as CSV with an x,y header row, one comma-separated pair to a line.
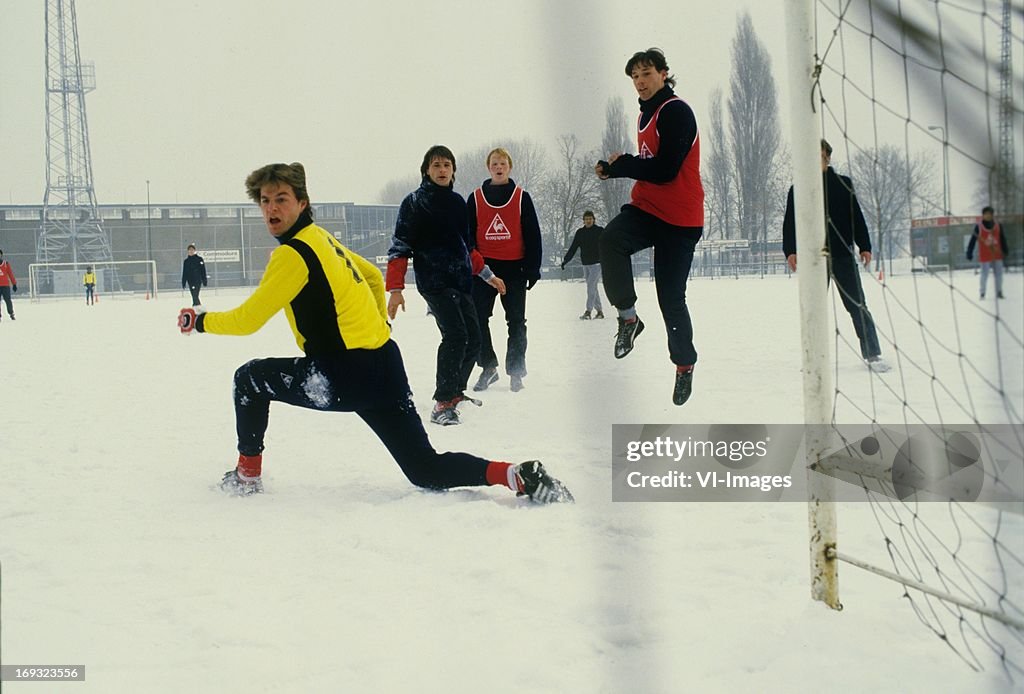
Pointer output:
x,y
878,365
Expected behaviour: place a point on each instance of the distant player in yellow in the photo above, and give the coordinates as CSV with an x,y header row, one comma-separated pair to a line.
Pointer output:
x,y
89,280
334,302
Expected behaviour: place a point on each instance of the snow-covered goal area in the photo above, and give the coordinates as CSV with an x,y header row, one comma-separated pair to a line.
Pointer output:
x,y
113,277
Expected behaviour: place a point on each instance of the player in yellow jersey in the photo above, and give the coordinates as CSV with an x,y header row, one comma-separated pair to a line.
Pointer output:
x,y
334,301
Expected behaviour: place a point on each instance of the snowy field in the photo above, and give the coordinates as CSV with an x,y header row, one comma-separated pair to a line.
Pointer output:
x,y
117,553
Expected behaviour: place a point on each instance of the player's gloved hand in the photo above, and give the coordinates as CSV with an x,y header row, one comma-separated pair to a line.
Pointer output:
x,y
187,320
562,266
531,282
15,287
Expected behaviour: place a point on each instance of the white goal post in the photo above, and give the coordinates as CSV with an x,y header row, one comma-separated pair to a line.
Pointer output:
x,y
113,278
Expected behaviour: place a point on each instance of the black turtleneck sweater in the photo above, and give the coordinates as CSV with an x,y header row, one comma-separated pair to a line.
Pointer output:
x,y
303,221
844,220
677,128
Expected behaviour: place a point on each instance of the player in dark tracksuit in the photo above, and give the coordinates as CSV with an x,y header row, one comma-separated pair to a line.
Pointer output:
x,y
666,211
432,229
334,302
193,273
586,240
845,224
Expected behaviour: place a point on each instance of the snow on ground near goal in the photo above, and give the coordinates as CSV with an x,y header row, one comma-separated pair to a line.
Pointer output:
x,y
117,554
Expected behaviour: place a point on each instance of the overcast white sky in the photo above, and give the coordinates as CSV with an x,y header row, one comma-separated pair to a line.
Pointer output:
x,y
194,95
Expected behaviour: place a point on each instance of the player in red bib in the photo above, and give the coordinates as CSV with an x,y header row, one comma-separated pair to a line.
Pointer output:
x,y
7,282
988,236
504,229
666,211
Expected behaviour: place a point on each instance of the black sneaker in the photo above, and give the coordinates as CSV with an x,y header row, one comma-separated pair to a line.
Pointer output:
x,y
585,316
515,384
683,387
626,335
236,486
487,377
541,487
599,315
999,295
444,413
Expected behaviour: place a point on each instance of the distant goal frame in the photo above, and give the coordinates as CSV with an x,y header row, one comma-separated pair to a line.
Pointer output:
x,y
35,268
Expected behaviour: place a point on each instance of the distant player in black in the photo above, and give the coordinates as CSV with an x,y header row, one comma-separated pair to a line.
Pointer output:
x,y
586,240
193,273
845,226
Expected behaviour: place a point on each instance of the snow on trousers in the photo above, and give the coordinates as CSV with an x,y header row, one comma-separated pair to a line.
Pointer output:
x,y
633,230
460,340
996,266
592,276
370,382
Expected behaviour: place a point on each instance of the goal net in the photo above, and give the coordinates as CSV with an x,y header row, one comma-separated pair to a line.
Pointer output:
x,y
921,107
119,278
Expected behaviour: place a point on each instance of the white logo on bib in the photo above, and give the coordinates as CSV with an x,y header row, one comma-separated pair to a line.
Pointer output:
x,y
497,231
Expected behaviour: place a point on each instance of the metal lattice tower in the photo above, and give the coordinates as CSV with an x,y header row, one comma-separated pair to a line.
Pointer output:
x,y
1006,188
71,229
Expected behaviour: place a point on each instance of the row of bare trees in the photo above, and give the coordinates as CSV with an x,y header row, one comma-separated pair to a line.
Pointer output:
x,y
562,184
745,167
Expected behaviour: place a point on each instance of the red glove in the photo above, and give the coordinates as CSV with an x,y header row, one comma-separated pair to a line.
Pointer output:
x,y
187,320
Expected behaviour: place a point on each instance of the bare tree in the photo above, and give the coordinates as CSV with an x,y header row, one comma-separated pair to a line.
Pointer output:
x,y
892,188
571,188
617,138
753,128
395,190
719,175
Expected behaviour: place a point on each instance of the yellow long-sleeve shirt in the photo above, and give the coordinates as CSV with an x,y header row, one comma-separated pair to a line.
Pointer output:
x,y
89,278
333,298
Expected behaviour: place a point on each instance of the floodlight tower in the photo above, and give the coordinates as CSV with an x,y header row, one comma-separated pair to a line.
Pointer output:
x,y
71,230
1006,186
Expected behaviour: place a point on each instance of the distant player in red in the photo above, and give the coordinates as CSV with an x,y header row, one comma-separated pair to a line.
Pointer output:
x,y
8,282
992,249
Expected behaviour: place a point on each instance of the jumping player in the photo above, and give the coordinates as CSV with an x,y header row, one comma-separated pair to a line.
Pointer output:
x,y
665,210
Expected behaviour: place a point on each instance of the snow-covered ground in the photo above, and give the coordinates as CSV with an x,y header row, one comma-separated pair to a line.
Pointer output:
x,y
117,553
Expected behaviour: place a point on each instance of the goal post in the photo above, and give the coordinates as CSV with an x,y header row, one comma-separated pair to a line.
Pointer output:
x,y
809,203
113,278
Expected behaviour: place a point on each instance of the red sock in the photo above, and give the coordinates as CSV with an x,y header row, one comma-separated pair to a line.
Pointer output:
x,y
684,369
502,473
250,465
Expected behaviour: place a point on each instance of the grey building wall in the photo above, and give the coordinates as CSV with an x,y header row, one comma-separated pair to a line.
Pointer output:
x,y
232,238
